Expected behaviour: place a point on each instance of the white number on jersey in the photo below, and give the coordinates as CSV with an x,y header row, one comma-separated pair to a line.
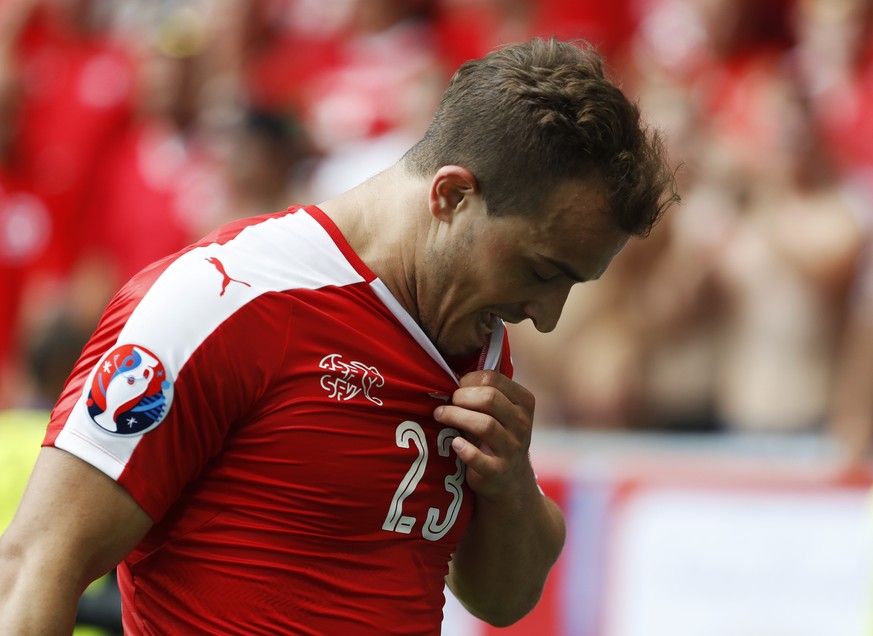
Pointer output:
x,y
433,529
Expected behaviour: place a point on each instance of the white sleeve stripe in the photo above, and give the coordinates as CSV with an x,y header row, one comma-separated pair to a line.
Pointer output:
x,y
194,296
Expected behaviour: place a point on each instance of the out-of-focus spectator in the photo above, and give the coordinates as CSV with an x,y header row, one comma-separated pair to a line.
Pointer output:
x,y
834,60
66,94
470,28
793,249
24,223
276,48
51,354
77,84
159,187
366,109
266,164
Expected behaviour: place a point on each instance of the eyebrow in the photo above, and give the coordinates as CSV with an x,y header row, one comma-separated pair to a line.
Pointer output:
x,y
564,267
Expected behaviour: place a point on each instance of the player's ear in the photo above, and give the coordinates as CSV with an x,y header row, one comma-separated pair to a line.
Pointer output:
x,y
451,189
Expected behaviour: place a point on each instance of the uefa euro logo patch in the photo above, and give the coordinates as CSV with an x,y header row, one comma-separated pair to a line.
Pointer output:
x,y
130,391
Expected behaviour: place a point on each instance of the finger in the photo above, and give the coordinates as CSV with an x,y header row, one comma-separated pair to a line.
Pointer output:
x,y
473,457
485,399
489,434
489,400
515,392
484,432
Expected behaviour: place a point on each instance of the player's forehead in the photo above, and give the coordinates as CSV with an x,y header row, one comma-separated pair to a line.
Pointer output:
x,y
576,209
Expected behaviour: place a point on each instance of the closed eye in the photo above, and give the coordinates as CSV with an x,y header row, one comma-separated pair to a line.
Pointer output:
x,y
543,277
562,268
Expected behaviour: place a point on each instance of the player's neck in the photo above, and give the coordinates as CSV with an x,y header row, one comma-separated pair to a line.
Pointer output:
x,y
380,219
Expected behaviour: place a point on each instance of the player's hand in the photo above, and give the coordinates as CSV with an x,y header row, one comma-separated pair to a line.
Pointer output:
x,y
495,415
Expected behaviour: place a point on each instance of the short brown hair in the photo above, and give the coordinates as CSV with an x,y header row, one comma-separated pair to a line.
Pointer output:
x,y
528,116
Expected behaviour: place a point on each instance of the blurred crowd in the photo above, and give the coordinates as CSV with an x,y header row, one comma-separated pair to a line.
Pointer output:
x,y
129,128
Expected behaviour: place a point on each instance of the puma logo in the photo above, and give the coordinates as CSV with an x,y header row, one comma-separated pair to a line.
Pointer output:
x,y
226,280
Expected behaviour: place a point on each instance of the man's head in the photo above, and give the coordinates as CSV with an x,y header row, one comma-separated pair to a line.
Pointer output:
x,y
539,170
530,116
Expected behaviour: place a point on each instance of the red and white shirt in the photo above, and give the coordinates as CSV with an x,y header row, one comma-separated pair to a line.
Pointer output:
x,y
268,402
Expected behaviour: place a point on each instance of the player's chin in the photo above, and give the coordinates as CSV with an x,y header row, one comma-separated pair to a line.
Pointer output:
x,y
462,344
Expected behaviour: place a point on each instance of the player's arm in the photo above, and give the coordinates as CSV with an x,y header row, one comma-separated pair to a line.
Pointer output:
x,y
516,534
73,525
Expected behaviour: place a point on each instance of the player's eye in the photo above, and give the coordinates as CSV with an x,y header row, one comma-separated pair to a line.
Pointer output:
x,y
542,276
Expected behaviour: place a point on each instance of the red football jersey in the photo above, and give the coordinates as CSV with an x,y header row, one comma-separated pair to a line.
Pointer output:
x,y
269,404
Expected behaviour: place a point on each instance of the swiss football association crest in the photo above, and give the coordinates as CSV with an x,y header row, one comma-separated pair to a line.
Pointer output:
x,y
130,391
345,380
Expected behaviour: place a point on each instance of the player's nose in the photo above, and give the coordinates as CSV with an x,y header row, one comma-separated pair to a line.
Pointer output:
x,y
546,308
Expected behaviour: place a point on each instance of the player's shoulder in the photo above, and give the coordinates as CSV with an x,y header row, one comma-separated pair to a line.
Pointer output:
x,y
273,252
187,296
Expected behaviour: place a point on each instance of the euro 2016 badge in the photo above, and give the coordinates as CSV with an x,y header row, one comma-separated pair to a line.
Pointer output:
x,y
130,391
